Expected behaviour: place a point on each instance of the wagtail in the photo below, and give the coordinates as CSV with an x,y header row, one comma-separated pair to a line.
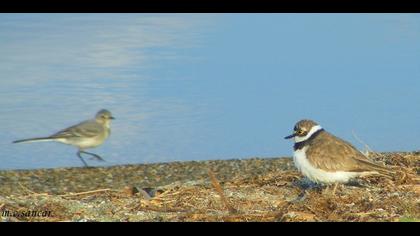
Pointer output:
x,y
87,134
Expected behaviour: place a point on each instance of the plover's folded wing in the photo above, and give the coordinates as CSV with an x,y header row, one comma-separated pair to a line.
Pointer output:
x,y
334,154
368,164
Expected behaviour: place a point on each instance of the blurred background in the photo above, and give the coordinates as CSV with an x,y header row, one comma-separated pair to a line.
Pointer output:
x,y
205,86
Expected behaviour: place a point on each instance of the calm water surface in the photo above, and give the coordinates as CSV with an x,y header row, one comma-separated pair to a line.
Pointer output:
x,y
205,86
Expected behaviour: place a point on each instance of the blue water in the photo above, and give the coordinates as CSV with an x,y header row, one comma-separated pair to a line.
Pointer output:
x,y
205,86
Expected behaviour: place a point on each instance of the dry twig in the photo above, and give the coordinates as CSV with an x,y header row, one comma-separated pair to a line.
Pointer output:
x,y
87,192
219,190
368,149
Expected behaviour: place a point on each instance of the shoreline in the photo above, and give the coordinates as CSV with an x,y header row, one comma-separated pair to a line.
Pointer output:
x,y
75,179
143,164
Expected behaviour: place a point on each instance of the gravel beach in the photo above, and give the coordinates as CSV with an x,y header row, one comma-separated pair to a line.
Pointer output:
x,y
256,189
64,180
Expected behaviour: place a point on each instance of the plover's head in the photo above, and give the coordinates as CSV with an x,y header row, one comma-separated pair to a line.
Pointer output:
x,y
304,130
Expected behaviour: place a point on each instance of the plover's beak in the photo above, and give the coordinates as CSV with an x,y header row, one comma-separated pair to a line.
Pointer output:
x,y
290,136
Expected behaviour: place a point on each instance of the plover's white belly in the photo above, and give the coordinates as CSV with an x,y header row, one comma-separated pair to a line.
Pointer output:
x,y
318,175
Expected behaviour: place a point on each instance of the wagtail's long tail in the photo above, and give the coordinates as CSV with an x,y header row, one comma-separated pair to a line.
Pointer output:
x,y
31,140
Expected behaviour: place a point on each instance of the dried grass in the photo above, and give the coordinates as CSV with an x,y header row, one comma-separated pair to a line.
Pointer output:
x,y
274,196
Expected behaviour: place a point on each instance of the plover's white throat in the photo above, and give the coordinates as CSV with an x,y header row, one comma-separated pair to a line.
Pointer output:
x,y
325,158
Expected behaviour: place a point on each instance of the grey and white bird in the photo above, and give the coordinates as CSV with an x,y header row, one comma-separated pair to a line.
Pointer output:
x,y
87,134
325,158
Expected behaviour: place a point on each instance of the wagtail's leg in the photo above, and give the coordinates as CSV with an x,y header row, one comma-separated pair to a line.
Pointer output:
x,y
81,158
99,158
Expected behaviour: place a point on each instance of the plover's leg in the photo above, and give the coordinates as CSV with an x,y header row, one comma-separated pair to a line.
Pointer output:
x,y
334,189
97,157
306,185
356,183
329,190
326,190
81,158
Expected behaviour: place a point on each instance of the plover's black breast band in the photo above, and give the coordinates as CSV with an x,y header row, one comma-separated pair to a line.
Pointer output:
x,y
302,144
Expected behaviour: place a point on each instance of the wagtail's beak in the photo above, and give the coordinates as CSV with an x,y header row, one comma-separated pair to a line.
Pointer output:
x,y
112,118
290,136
